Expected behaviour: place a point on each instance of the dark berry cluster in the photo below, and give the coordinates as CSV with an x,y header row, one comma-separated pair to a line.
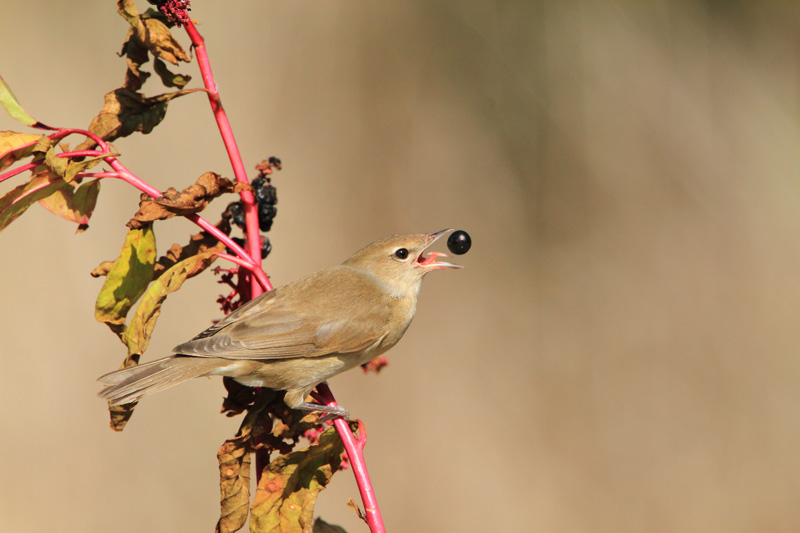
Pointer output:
x,y
266,197
266,246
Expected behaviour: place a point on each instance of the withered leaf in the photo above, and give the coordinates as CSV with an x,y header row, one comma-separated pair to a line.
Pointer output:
x,y
74,205
198,243
289,486
128,278
234,462
102,269
58,165
169,78
192,199
19,199
234,485
120,414
151,33
321,526
137,334
125,112
15,146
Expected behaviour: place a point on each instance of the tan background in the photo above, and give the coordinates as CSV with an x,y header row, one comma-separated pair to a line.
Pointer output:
x,y
621,352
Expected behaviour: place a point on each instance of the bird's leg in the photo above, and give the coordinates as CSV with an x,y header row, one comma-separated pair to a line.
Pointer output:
x,y
331,412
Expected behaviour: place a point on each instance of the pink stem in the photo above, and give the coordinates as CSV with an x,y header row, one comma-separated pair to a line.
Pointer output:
x,y
248,201
355,451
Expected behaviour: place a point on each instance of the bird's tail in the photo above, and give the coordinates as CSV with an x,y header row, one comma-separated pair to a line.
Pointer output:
x,y
134,383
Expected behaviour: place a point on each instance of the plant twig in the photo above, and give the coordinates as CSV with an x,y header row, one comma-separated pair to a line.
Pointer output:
x,y
355,451
249,205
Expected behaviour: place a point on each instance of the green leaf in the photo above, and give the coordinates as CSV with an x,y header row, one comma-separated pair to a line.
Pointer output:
x,y
19,199
74,205
128,278
9,101
15,146
137,334
289,486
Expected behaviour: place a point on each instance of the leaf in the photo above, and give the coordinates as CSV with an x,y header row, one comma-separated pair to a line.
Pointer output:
x,y
102,269
192,199
158,39
128,278
137,334
9,101
15,146
125,112
57,164
74,205
19,199
289,486
169,78
198,243
321,526
151,33
234,485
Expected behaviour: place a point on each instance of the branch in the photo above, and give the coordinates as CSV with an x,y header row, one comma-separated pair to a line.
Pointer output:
x,y
249,205
355,451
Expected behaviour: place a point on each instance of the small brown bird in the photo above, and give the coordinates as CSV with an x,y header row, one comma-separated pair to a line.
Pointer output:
x,y
296,336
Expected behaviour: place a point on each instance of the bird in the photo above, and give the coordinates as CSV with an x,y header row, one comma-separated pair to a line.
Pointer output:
x,y
299,335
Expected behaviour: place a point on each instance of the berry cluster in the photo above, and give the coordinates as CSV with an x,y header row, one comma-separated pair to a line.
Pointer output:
x,y
266,197
174,10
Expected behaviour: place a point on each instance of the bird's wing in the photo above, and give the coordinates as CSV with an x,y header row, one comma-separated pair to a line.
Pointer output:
x,y
334,311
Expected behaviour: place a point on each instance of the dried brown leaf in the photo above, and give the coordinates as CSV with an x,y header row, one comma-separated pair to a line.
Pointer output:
x,y
151,33
125,112
169,78
321,526
192,199
198,243
101,269
234,485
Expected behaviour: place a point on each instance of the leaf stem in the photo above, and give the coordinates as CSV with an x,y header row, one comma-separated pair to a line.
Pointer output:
x,y
249,205
355,451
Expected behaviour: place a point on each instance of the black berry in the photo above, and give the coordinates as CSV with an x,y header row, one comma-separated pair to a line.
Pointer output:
x,y
235,212
459,242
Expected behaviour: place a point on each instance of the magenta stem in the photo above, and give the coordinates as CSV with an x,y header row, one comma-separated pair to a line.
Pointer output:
x,y
248,201
355,451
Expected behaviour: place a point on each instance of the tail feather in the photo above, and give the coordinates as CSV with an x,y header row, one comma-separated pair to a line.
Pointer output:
x,y
134,383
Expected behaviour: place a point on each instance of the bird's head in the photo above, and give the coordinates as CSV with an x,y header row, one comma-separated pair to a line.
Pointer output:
x,y
400,261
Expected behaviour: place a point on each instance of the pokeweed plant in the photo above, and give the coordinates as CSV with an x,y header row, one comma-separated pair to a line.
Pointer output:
x,y
67,182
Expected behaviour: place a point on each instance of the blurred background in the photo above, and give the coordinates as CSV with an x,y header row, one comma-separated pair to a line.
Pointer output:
x,y
620,353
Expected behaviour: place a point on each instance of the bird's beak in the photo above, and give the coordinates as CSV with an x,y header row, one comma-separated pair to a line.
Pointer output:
x,y
429,262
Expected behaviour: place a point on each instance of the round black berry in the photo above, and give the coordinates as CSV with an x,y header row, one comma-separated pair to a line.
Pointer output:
x,y
401,253
459,242
235,212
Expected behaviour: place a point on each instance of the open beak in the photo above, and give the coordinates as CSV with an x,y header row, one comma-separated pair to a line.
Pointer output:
x,y
429,262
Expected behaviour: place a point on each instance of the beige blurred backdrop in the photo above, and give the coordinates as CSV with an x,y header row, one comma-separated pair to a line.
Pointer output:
x,y
620,353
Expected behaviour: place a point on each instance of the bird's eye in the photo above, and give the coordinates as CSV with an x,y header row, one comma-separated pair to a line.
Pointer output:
x,y
401,253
